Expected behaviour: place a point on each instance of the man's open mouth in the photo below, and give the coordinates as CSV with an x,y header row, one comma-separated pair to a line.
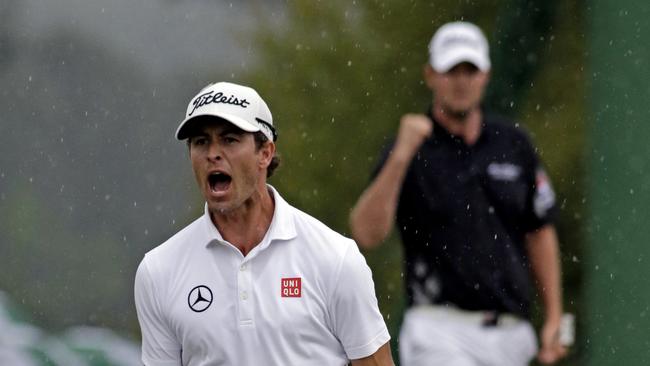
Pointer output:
x,y
219,181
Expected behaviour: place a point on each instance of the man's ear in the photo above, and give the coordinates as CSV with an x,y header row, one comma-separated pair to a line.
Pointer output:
x,y
429,74
267,152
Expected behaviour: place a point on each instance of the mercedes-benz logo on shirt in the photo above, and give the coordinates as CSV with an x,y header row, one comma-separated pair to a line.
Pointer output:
x,y
199,298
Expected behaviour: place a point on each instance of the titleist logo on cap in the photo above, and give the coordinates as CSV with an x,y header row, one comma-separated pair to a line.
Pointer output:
x,y
208,98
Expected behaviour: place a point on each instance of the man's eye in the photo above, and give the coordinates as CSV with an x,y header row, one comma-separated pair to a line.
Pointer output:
x,y
199,141
229,139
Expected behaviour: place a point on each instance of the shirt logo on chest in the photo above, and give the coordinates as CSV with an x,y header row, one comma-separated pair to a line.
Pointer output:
x,y
199,298
291,287
504,171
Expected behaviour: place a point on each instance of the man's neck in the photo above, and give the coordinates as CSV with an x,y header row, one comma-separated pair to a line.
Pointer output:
x,y
466,126
246,226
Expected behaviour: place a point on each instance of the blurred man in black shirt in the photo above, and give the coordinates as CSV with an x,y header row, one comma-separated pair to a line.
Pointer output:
x,y
474,208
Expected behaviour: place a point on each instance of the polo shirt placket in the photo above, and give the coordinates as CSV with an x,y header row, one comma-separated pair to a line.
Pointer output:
x,y
245,287
242,266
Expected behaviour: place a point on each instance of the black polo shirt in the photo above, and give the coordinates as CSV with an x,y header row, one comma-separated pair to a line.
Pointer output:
x,y
463,214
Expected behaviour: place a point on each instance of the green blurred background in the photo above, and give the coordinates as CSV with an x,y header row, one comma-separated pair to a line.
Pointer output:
x,y
91,178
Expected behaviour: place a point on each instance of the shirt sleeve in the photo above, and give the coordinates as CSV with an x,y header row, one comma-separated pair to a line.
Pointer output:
x,y
542,201
159,346
358,324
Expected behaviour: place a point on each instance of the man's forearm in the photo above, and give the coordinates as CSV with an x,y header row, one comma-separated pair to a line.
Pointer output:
x,y
543,253
373,216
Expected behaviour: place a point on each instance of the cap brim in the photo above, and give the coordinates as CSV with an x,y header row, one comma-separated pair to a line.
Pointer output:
x,y
461,55
182,130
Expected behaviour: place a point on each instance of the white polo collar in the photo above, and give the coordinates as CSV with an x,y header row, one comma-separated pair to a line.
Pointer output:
x,y
283,226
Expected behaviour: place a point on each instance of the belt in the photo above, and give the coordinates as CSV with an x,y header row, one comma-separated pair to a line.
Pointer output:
x,y
485,318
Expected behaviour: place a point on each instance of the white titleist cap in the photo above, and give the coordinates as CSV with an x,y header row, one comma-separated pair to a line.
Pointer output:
x,y
237,104
458,42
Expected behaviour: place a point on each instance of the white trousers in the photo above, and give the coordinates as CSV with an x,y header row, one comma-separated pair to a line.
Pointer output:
x,y
438,335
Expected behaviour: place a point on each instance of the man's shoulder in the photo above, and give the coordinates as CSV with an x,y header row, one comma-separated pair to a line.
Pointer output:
x,y
316,233
505,127
502,123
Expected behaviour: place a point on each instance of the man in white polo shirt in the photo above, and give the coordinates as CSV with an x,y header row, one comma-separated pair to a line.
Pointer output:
x,y
254,281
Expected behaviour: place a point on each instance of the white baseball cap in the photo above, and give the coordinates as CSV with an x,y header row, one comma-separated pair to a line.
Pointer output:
x,y
240,105
458,42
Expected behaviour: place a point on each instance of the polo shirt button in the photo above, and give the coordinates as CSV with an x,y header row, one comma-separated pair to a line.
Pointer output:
x,y
244,295
242,267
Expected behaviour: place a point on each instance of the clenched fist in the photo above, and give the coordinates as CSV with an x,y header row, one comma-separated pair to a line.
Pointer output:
x,y
413,130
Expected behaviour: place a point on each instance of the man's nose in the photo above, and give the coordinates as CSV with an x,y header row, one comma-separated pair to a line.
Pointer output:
x,y
214,151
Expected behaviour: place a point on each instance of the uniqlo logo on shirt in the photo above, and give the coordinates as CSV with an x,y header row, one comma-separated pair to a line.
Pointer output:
x,y
291,287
